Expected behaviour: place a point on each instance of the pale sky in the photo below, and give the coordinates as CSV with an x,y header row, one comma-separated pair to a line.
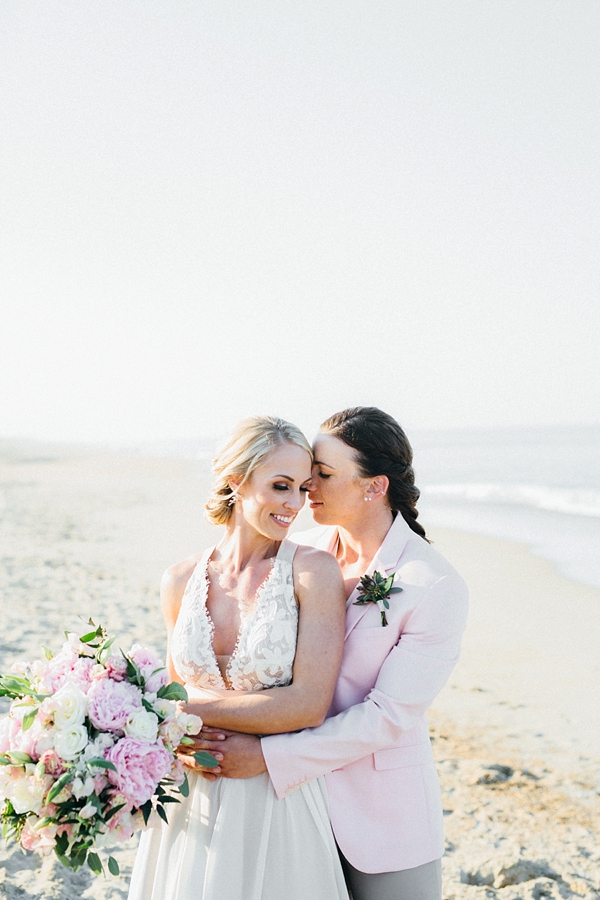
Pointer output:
x,y
214,209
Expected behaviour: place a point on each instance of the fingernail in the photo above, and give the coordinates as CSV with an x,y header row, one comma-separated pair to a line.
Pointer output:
x,y
218,756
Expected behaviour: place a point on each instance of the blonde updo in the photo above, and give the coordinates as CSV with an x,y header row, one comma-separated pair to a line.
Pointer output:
x,y
247,446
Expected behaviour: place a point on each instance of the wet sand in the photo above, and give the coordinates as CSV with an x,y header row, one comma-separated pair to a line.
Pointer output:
x,y
516,731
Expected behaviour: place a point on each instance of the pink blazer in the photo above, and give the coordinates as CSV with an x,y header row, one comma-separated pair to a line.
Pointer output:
x,y
374,748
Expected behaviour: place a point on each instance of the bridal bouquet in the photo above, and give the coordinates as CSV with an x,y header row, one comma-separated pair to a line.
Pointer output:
x,y
88,748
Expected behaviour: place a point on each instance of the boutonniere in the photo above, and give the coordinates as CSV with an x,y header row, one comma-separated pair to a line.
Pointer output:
x,y
376,588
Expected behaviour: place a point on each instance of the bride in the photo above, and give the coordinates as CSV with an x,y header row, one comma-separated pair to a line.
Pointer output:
x,y
257,621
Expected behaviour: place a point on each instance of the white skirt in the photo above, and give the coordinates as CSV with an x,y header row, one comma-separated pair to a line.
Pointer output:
x,y
232,839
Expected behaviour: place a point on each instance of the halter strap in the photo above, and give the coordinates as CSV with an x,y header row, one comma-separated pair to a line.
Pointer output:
x,y
287,550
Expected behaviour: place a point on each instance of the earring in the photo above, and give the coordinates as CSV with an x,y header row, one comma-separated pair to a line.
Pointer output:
x,y
368,499
232,500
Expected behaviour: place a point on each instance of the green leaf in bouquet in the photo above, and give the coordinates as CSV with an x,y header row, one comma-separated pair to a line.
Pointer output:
x,y
98,762
59,784
168,799
63,860
14,687
113,866
62,843
146,809
78,855
116,809
205,759
187,741
93,861
29,718
162,813
89,637
184,787
19,758
132,671
105,647
148,706
173,691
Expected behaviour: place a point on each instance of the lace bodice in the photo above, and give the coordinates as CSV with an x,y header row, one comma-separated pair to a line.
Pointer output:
x,y
266,644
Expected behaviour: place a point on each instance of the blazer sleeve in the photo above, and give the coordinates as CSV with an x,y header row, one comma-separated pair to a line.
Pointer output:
x,y
412,675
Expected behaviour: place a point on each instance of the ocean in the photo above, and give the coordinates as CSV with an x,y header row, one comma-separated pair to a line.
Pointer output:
x,y
537,486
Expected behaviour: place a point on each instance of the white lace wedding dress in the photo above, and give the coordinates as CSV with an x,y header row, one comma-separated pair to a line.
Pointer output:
x,y
232,839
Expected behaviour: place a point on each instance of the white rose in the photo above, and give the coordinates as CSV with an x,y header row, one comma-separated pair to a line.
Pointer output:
x,y
165,708
27,794
70,706
142,725
171,731
69,742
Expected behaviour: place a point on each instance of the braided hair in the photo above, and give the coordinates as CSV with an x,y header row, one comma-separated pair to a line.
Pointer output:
x,y
382,448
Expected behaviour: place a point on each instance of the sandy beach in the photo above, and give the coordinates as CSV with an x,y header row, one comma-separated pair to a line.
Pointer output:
x,y
516,731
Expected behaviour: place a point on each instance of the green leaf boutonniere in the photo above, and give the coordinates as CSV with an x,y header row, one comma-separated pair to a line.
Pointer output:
x,y
376,588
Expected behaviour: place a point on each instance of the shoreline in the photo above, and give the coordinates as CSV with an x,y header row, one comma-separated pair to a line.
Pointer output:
x,y
91,532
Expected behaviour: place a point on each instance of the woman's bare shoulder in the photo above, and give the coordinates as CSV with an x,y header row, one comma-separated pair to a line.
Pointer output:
x,y
310,564
309,557
173,583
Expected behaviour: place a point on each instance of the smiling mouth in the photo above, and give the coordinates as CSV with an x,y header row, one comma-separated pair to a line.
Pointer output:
x,y
314,503
283,520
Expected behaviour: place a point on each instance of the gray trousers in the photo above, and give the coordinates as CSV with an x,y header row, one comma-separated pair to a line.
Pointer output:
x,y
422,883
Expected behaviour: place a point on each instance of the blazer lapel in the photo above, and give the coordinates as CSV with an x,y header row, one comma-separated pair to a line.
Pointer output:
x,y
385,561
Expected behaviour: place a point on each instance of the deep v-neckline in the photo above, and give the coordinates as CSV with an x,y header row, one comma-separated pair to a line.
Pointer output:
x,y
245,617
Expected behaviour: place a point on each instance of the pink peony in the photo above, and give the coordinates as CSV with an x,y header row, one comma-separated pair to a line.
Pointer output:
x,y
111,703
140,766
81,673
116,667
67,666
144,658
59,669
147,662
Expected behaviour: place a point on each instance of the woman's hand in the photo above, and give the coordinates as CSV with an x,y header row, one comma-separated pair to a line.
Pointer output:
x,y
239,755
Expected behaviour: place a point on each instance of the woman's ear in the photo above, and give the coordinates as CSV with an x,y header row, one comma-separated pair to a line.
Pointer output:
x,y
234,483
377,487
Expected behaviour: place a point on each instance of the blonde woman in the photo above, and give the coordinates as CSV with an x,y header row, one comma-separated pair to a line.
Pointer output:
x,y
257,623
373,748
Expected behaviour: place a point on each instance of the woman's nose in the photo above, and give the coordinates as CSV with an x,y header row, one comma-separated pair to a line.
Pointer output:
x,y
295,500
